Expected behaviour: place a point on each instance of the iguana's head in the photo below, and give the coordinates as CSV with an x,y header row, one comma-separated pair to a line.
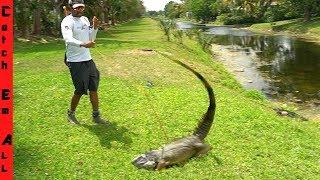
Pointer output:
x,y
148,160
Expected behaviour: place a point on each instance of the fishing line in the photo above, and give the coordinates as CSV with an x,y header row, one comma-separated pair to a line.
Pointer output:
x,y
149,100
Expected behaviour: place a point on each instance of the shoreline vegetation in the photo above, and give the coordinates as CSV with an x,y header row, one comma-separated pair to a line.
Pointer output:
x,y
295,27
249,139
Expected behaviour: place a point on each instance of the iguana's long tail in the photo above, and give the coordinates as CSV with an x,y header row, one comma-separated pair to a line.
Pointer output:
x,y
205,124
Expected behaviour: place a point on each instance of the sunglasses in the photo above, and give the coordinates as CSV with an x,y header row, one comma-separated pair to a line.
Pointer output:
x,y
80,8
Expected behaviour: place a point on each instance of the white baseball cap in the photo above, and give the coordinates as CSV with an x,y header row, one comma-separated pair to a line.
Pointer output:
x,y
78,5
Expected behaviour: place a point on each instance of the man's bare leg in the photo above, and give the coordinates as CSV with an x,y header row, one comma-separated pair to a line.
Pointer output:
x,y
74,102
94,100
95,108
71,113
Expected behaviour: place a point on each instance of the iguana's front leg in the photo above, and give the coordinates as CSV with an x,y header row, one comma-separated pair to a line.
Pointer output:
x,y
202,149
162,164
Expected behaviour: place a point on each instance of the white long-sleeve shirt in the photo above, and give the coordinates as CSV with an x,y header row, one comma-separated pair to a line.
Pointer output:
x,y
76,31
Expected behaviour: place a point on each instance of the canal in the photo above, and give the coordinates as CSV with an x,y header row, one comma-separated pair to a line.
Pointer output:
x,y
284,68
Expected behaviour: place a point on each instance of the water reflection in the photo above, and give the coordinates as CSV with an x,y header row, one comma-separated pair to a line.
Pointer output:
x,y
223,30
289,67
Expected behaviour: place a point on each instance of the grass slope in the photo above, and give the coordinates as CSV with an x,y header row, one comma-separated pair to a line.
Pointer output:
x,y
296,27
248,139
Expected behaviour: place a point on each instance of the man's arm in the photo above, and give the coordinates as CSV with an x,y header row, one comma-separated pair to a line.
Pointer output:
x,y
93,31
66,29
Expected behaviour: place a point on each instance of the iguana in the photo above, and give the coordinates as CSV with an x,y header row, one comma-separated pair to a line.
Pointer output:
x,y
179,151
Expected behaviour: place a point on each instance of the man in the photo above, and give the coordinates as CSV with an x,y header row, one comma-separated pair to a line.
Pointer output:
x,y
79,37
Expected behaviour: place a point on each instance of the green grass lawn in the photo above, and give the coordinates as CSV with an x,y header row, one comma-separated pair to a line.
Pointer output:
x,y
296,27
249,140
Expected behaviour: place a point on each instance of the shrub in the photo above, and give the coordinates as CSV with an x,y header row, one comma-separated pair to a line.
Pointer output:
x,y
205,41
178,34
190,33
229,19
278,13
166,25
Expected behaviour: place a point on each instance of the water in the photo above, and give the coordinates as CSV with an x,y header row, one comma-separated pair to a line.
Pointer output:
x,y
284,68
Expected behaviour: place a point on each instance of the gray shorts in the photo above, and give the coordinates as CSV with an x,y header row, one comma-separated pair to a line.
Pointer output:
x,y
85,76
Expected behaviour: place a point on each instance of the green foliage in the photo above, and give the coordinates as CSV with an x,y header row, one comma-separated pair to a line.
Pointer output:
x,y
280,12
154,14
255,94
193,32
291,9
250,11
308,30
178,34
22,17
205,41
166,25
230,19
46,15
201,9
223,18
173,10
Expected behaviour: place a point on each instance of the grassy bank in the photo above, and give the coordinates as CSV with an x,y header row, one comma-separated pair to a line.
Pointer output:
x,y
249,140
296,27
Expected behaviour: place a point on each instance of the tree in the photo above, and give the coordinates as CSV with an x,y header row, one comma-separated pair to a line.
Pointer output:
x,y
201,9
306,7
250,8
22,17
44,16
173,10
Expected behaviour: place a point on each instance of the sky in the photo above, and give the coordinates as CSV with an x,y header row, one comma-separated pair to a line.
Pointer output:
x,y
156,5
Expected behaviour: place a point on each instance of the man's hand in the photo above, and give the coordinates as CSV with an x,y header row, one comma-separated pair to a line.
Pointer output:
x,y
66,11
95,22
89,44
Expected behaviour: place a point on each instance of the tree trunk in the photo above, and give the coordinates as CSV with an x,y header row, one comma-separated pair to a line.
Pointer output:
x,y
106,16
113,18
307,13
113,21
24,28
37,21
